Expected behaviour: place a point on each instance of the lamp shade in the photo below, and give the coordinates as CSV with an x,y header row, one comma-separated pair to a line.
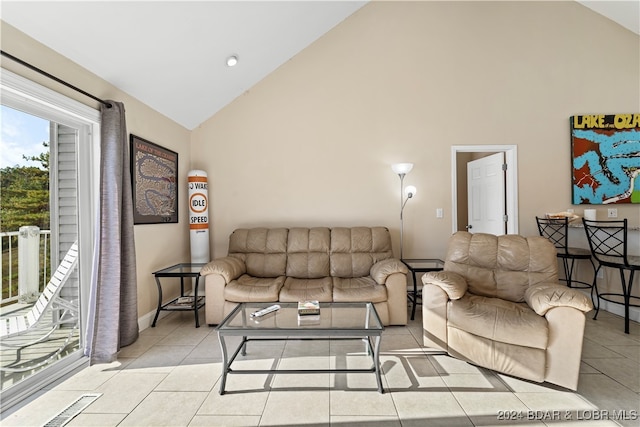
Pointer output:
x,y
410,191
402,167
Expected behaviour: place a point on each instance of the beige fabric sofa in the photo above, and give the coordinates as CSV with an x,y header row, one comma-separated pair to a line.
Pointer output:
x,y
294,264
498,304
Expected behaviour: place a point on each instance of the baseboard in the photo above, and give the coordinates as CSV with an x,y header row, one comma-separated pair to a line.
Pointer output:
x,y
146,320
617,309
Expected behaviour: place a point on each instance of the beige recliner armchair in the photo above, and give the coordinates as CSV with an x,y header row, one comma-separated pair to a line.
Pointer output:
x,y
498,304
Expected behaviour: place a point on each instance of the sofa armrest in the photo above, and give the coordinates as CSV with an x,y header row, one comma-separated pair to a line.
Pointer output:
x,y
385,268
229,268
452,283
435,318
545,296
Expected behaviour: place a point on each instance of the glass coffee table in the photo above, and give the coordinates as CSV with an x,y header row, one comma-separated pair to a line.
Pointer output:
x,y
337,321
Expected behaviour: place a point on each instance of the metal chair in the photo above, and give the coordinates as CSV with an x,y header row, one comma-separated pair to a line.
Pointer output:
x,y
556,230
608,243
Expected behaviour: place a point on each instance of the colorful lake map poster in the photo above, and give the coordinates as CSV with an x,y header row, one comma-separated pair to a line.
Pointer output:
x,y
605,159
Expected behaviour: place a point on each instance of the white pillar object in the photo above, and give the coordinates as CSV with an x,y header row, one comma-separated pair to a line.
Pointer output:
x,y
199,216
28,263
590,214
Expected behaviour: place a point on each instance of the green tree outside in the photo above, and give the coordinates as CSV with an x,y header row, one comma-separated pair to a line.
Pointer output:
x,y
24,200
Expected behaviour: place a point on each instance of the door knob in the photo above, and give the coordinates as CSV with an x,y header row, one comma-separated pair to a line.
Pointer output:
x,y
468,227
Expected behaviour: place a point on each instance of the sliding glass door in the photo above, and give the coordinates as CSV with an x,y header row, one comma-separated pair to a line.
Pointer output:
x,y
49,170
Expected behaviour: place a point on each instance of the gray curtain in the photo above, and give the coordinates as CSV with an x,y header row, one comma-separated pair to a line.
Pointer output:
x,y
113,305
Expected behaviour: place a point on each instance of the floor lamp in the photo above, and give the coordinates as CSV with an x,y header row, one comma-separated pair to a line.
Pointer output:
x,y
402,169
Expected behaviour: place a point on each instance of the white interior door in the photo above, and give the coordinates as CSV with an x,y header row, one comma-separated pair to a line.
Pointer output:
x,y
486,195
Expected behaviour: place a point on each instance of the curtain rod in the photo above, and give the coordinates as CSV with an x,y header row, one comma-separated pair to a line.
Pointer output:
x,y
52,77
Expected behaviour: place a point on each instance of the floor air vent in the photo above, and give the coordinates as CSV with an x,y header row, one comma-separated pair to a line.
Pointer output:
x,y
72,410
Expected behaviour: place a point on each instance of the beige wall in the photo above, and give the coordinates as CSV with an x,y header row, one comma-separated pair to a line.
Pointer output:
x,y
157,246
312,143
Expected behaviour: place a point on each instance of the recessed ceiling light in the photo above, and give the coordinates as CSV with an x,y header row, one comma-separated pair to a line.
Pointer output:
x,y
232,60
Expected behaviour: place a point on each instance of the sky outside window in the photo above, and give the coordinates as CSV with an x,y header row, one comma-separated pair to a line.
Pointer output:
x,y
22,134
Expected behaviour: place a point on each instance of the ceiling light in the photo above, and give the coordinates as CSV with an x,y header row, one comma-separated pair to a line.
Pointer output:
x,y
232,60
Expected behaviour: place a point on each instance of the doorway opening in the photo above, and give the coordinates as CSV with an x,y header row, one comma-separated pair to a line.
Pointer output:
x,y
460,155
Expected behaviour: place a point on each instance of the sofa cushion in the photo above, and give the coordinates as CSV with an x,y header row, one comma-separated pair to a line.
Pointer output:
x,y
253,289
520,361
355,250
501,266
264,250
307,289
499,320
308,253
358,289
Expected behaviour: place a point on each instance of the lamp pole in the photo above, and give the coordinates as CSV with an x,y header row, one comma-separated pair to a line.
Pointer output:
x,y
402,169
402,203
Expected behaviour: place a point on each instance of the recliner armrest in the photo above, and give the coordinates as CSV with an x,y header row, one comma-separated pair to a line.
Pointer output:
x,y
229,268
452,283
545,296
385,268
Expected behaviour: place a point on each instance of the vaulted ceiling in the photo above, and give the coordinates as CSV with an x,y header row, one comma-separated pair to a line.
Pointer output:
x,y
172,55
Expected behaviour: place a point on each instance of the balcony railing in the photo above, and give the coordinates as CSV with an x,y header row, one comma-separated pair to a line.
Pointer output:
x,y
25,266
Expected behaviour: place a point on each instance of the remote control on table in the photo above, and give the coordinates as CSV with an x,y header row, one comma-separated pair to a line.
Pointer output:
x,y
264,311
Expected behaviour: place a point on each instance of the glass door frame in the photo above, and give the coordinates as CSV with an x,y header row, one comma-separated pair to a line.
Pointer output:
x,y
22,94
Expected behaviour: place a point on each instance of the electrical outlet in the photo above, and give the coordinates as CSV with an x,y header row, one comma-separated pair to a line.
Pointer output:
x,y
570,210
439,213
612,213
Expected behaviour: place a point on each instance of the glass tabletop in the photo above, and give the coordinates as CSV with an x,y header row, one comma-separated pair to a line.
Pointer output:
x,y
333,317
182,269
423,263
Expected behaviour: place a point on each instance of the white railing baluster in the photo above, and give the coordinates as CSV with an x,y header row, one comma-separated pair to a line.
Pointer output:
x,y
12,244
28,263
44,262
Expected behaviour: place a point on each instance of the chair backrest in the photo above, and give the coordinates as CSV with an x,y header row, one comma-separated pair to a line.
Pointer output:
x,y
501,266
607,241
556,230
21,323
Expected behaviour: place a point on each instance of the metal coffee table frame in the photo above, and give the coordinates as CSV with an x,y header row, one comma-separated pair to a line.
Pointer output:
x,y
182,271
420,265
280,326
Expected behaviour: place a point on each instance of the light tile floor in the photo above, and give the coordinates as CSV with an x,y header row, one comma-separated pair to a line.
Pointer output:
x,y
170,376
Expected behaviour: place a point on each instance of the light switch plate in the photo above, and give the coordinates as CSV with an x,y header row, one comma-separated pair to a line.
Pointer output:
x,y
612,213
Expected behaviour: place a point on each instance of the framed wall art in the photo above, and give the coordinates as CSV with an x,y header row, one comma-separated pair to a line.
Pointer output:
x,y
605,156
154,176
